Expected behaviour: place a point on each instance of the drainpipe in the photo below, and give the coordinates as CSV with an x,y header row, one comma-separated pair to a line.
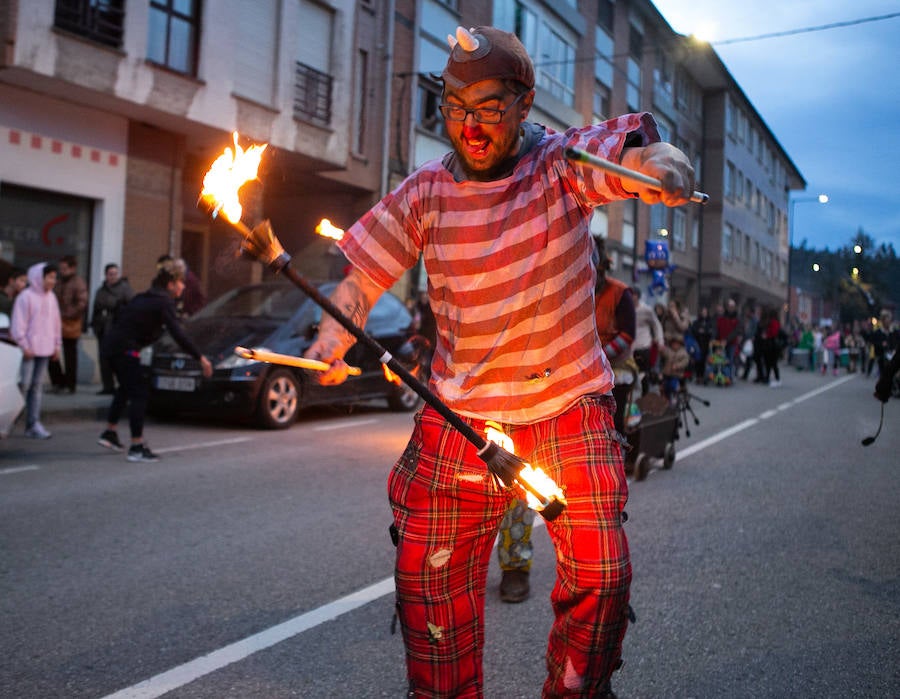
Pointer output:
x,y
388,96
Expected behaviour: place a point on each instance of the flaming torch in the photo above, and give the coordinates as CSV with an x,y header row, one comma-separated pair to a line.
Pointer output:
x,y
220,194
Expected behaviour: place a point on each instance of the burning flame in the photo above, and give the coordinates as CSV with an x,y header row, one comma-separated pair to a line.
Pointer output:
x,y
228,174
329,230
388,374
534,477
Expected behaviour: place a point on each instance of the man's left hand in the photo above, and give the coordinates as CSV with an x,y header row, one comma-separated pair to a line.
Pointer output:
x,y
666,163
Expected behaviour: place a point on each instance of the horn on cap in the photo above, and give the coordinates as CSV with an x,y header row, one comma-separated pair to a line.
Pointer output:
x,y
466,40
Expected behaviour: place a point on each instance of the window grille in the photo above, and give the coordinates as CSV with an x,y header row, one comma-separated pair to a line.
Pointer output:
x,y
97,20
312,95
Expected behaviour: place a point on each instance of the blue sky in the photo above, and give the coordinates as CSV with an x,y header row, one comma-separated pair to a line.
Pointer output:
x,y
831,97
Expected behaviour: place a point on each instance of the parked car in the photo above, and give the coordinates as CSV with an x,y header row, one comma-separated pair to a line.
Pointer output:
x,y
279,317
11,401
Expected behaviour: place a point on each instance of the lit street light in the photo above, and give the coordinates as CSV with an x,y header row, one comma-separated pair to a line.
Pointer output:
x,y
820,199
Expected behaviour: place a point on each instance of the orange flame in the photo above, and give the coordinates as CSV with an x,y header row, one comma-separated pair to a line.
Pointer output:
x,y
328,230
391,376
228,174
534,477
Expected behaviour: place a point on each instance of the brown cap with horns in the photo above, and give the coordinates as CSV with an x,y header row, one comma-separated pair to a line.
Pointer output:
x,y
487,53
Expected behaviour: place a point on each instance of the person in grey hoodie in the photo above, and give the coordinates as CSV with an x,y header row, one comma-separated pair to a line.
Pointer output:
x,y
37,330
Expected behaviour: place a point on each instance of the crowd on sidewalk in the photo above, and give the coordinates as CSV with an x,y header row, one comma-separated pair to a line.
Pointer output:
x,y
46,307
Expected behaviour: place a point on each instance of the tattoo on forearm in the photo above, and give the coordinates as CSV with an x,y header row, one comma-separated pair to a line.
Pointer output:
x,y
353,303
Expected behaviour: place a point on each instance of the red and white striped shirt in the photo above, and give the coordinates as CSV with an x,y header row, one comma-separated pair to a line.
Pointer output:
x,y
510,278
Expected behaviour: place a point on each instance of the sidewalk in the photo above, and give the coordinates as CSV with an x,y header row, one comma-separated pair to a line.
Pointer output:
x,y
84,404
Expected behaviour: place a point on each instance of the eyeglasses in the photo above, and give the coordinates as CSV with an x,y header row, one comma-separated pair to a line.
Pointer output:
x,y
483,115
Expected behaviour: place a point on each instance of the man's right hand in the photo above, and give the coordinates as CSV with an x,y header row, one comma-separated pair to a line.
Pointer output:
x,y
355,296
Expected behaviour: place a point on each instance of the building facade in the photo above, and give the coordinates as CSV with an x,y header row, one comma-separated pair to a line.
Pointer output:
x,y
595,60
110,113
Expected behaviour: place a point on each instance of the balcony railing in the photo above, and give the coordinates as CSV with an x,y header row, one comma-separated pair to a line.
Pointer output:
x,y
98,20
312,95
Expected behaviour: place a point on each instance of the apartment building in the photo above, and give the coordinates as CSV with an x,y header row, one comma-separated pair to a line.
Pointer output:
x,y
111,111
594,60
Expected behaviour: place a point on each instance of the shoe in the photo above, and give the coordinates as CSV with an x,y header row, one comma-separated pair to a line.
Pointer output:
x,y
37,431
774,383
514,586
142,453
110,440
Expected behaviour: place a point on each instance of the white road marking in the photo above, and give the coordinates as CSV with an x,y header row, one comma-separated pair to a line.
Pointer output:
x,y
344,425
204,445
19,469
181,675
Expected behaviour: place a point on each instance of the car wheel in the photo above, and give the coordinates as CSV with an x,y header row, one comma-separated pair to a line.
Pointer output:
x,y
279,400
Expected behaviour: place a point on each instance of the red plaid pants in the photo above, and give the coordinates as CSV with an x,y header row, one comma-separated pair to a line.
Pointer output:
x,y
447,508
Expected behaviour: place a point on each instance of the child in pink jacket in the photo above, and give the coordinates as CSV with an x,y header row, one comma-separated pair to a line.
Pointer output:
x,y
37,330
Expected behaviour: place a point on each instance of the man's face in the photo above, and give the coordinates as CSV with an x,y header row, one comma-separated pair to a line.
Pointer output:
x,y
176,288
49,281
112,275
483,149
65,270
19,283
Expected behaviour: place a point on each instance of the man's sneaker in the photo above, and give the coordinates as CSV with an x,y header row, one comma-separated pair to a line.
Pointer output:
x,y
37,431
514,586
141,452
110,440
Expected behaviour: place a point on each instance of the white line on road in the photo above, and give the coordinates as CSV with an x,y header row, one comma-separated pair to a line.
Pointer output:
x,y
204,445
344,425
19,469
188,672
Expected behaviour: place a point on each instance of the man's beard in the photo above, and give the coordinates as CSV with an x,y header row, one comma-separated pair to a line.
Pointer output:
x,y
495,170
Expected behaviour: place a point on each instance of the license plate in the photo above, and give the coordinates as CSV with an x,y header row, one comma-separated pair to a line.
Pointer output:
x,y
175,383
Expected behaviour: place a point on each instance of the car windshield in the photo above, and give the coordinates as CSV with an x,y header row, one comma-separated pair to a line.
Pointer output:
x,y
269,301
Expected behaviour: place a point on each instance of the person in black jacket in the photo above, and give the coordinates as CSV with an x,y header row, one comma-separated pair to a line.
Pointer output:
x,y
138,325
112,296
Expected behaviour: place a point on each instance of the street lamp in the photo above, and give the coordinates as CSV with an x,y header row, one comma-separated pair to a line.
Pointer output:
x,y
819,199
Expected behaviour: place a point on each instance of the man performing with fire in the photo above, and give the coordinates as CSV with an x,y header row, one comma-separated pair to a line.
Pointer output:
x,y
502,225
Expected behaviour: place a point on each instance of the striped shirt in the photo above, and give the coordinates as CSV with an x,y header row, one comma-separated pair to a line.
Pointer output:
x,y
510,277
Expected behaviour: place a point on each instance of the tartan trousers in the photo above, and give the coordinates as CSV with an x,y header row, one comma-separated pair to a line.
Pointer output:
x,y
447,508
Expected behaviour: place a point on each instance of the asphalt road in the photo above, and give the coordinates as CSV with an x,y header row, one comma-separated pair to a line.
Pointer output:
x,y
257,564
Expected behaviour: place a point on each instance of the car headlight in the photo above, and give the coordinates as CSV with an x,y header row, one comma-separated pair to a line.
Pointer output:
x,y
233,361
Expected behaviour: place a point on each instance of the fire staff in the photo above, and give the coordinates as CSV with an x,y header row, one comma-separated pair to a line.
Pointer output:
x,y
502,225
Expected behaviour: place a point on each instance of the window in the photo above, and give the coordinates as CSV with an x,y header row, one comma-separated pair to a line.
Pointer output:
x,y
312,95
172,35
98,20
679,221
557,67
663,81
695,232
727,237
603,54
605,14
729,180
628,222
601,102
526,26
313,83
428,116
633,87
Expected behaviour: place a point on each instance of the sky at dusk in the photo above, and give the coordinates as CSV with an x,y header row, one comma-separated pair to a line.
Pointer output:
x,y
831,97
